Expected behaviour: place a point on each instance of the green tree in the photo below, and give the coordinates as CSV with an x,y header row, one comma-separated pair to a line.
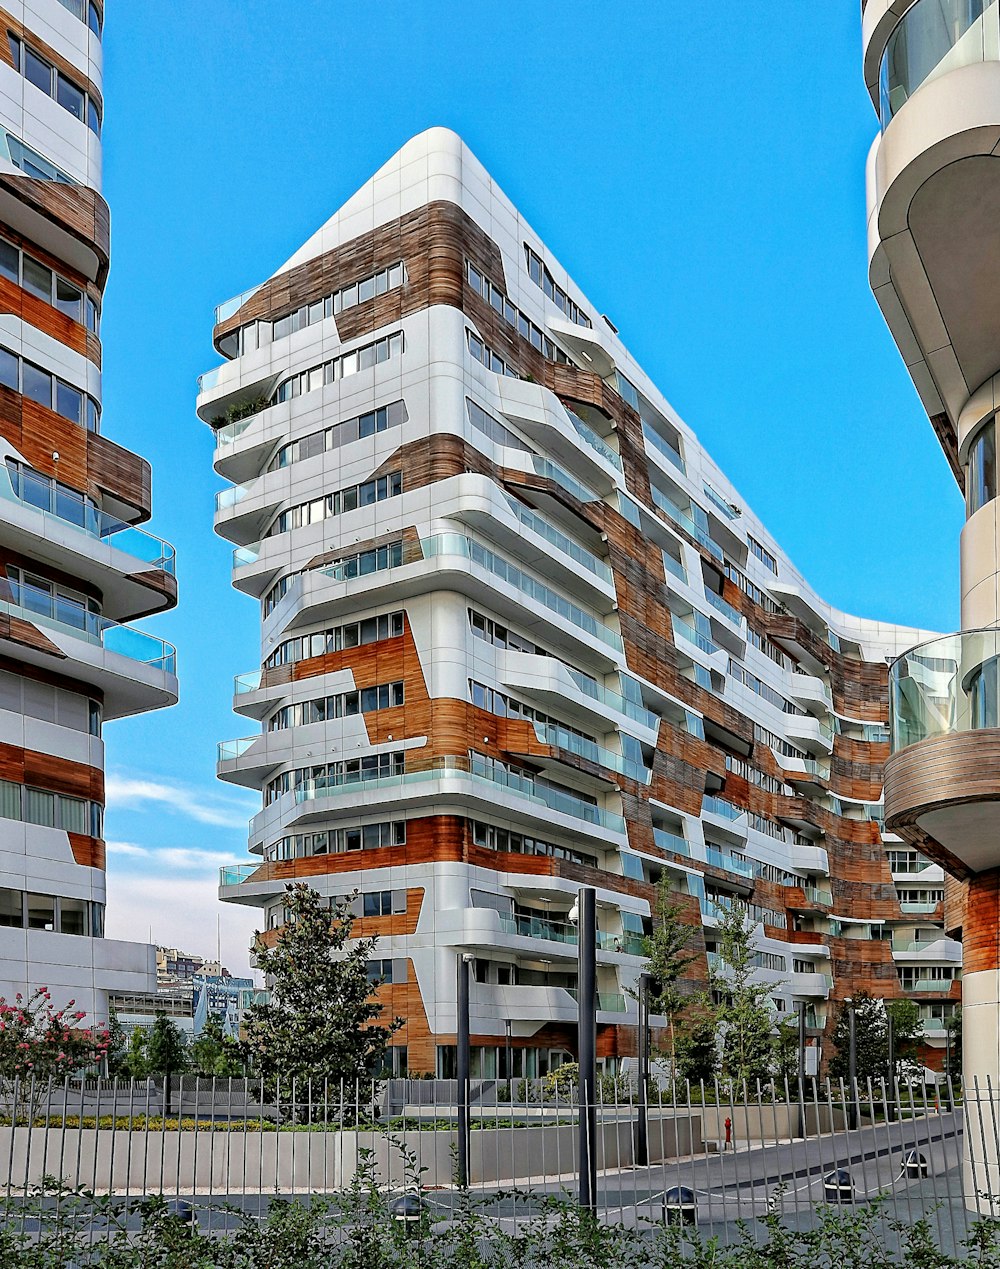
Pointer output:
x,y
907,1032
321,1021
786,1050
166,1048
117,1055
698,1044
214,1053
136,1061
871,1043
669,952
745,1016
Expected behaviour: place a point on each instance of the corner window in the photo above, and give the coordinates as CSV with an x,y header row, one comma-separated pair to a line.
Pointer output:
x,y
981,472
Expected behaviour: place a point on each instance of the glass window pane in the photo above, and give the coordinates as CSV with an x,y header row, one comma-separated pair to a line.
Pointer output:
x,y
41,908
93,118
37,279
69,96
69,402
69,300
8,369
73,916
38,71
9,260
11,908
37,384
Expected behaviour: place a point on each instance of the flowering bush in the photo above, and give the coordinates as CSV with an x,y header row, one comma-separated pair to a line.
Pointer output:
x,y
39,1043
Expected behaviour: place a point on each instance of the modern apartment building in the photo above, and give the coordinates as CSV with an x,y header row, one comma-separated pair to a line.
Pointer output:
x,y
519,634
933,71
74,568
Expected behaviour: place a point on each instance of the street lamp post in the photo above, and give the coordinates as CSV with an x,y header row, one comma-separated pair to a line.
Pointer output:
x,y
463,1071
642,1124
587,1045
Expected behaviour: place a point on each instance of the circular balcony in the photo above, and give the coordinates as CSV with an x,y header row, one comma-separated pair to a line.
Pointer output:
x,y
942,780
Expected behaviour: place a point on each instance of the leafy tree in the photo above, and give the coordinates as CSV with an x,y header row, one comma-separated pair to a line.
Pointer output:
x,y
39,1042
745,1015
786,1050
166,1048
117,1054
215,1054
907,1031
871,1043
136,1061
668,954
698,1045
321,1021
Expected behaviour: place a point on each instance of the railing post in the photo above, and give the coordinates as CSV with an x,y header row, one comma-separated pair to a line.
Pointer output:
x,y
852,1064
802,1069
463,1071
642,1124
587,1024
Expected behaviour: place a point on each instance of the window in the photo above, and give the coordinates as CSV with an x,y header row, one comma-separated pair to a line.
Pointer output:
x,y
54,83
341,367
331,841
513,316
41,912
984,692
335,638
494,429
763,554
11,908
40,386
324,779
364,425
87,11
485,356
365,494
69,300
377,904
37,279
344,705
981,478
540,275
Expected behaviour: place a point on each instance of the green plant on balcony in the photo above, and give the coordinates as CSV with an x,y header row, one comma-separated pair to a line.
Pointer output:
x,y
240,410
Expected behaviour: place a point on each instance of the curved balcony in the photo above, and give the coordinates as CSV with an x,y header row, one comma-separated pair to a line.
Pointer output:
x,y
941,780
934,197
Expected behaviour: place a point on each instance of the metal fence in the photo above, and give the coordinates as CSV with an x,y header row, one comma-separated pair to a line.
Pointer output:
x,y
709,1154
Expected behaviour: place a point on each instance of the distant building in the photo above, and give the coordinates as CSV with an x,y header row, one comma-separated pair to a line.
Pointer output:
x,y
141,1009
222,997
174,966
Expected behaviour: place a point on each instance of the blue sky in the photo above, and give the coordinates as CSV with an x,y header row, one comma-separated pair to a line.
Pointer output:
x,y
701,177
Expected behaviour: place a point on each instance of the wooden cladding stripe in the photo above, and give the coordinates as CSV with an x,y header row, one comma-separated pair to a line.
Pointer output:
x,y
75,210
46,318
38,45
89,852
57,775
432,241
16,630
87,462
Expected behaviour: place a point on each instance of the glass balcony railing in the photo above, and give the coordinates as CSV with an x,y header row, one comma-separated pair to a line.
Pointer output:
x,y
684,521
67,507
244,683
719,806
231,433
539,928
481,771
932,38
563,738
244,555
675,568
613,700
587,433
699,640
670,841
580,555
538,592
817,894
731,863
236,874
607,1002
923,908
210,378
945,686
231,496
663,447
224,312
717,500
69,616
627,944
229,750
723,606
549,470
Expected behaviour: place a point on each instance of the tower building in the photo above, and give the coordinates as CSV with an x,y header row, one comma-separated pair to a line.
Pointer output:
x,y
520,634
75,570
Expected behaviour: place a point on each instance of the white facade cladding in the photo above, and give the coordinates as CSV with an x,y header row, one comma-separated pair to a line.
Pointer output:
x,y
75,570
519,633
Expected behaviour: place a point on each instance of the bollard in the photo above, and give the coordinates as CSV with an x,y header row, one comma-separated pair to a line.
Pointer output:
x,y
679,1206
915,1165
838,1187
407,1211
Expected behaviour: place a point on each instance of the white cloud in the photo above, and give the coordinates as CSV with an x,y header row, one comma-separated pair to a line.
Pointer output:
x,y
185,859
139,793
179,911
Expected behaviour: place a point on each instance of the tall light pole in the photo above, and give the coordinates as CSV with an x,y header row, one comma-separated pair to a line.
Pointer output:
x,y
642,1125
586,906
463,1072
